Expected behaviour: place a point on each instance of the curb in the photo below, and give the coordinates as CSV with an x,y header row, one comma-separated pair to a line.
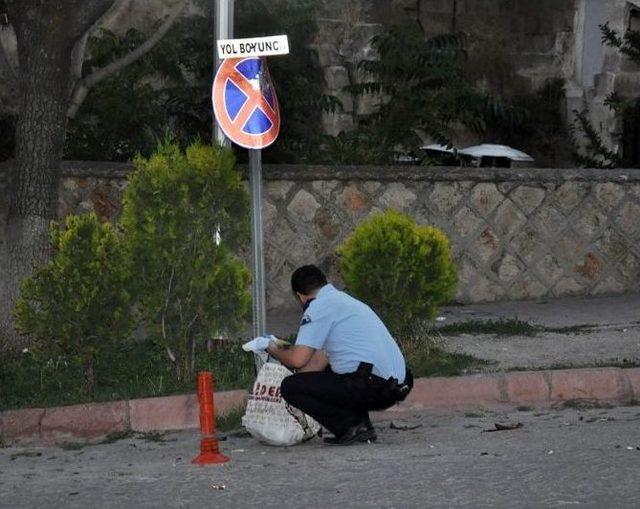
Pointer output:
x,y
92,422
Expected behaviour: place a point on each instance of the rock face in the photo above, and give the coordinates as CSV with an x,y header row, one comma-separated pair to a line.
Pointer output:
x,y
515,234
515,47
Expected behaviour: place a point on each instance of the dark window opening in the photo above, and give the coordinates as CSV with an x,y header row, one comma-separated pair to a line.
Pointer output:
x,y
631,137
634,19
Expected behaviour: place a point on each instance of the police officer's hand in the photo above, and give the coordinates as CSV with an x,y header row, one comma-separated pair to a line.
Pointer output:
x,y
258,344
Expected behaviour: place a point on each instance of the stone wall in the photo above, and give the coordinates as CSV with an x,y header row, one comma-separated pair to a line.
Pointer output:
x,y
516,234
516,45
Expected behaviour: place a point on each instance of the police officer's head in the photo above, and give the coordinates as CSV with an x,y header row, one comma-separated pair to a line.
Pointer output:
x,y
306,281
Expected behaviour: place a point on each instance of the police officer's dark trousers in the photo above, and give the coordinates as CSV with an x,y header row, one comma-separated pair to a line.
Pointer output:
x,y
336,401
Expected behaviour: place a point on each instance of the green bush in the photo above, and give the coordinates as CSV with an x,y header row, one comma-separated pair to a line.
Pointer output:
x,y
183,215
79,303
135,369
402,270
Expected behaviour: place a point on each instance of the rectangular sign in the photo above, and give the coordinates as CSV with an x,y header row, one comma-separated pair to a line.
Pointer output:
x,y
253,47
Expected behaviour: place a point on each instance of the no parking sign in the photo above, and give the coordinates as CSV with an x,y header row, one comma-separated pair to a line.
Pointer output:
x,y
244,99
245,102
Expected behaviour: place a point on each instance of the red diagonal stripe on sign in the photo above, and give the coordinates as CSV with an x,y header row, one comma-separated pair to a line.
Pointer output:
x,y
254,99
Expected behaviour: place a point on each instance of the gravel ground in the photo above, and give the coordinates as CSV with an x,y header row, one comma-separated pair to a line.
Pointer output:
x,y
558,458
563,312
611,331
602,345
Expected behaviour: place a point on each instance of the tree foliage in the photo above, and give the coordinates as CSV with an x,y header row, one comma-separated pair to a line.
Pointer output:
x,y
424,90
598,155
169,89
628,44
79,303
404,271
183,215
544,133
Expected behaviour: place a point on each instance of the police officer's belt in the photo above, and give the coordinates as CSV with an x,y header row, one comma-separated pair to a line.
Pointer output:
x,y
399,390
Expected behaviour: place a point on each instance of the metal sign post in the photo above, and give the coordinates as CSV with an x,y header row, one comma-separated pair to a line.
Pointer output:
x,y
247,112
257,244
223,30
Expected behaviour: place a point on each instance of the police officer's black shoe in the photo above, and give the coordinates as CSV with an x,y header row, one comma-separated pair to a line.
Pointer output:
x,y
355,434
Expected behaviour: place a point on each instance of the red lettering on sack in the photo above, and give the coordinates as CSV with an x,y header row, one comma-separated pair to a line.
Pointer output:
x,y
263,390
271,390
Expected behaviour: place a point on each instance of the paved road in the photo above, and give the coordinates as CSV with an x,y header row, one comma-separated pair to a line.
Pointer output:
x,y
559,458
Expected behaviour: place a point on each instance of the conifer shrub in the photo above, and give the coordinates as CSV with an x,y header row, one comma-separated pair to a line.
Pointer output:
x,y
185,215
403,270
79,304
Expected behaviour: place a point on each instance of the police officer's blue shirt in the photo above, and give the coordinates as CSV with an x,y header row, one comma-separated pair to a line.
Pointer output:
x,y
350,332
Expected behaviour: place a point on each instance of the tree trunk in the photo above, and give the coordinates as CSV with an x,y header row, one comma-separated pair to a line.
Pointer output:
x,y
88,376
45,60
34,179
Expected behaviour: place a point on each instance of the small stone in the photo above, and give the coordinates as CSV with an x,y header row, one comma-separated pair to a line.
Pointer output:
x,y
527,197
371,186
567,286
508,219
569,195
589,220
445,196
507,268
485,198
628,217
590,267
397,197
466,222
303,206
279,189
324,188
549,268
353,200
608,194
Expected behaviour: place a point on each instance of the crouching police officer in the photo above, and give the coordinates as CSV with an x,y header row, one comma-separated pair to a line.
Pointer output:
x,y
347,362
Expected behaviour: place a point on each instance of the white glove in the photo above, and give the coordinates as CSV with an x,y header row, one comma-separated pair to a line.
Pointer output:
x,y
259,344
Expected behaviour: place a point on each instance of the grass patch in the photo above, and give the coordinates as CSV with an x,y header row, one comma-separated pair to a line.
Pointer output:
x,y
573,329
116,436
73,446
231,420
25,454
136,370
611,363
154,436
510,327
507,327
438,362
582,404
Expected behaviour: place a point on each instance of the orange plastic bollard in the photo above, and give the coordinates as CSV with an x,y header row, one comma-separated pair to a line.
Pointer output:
x,y
209,453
